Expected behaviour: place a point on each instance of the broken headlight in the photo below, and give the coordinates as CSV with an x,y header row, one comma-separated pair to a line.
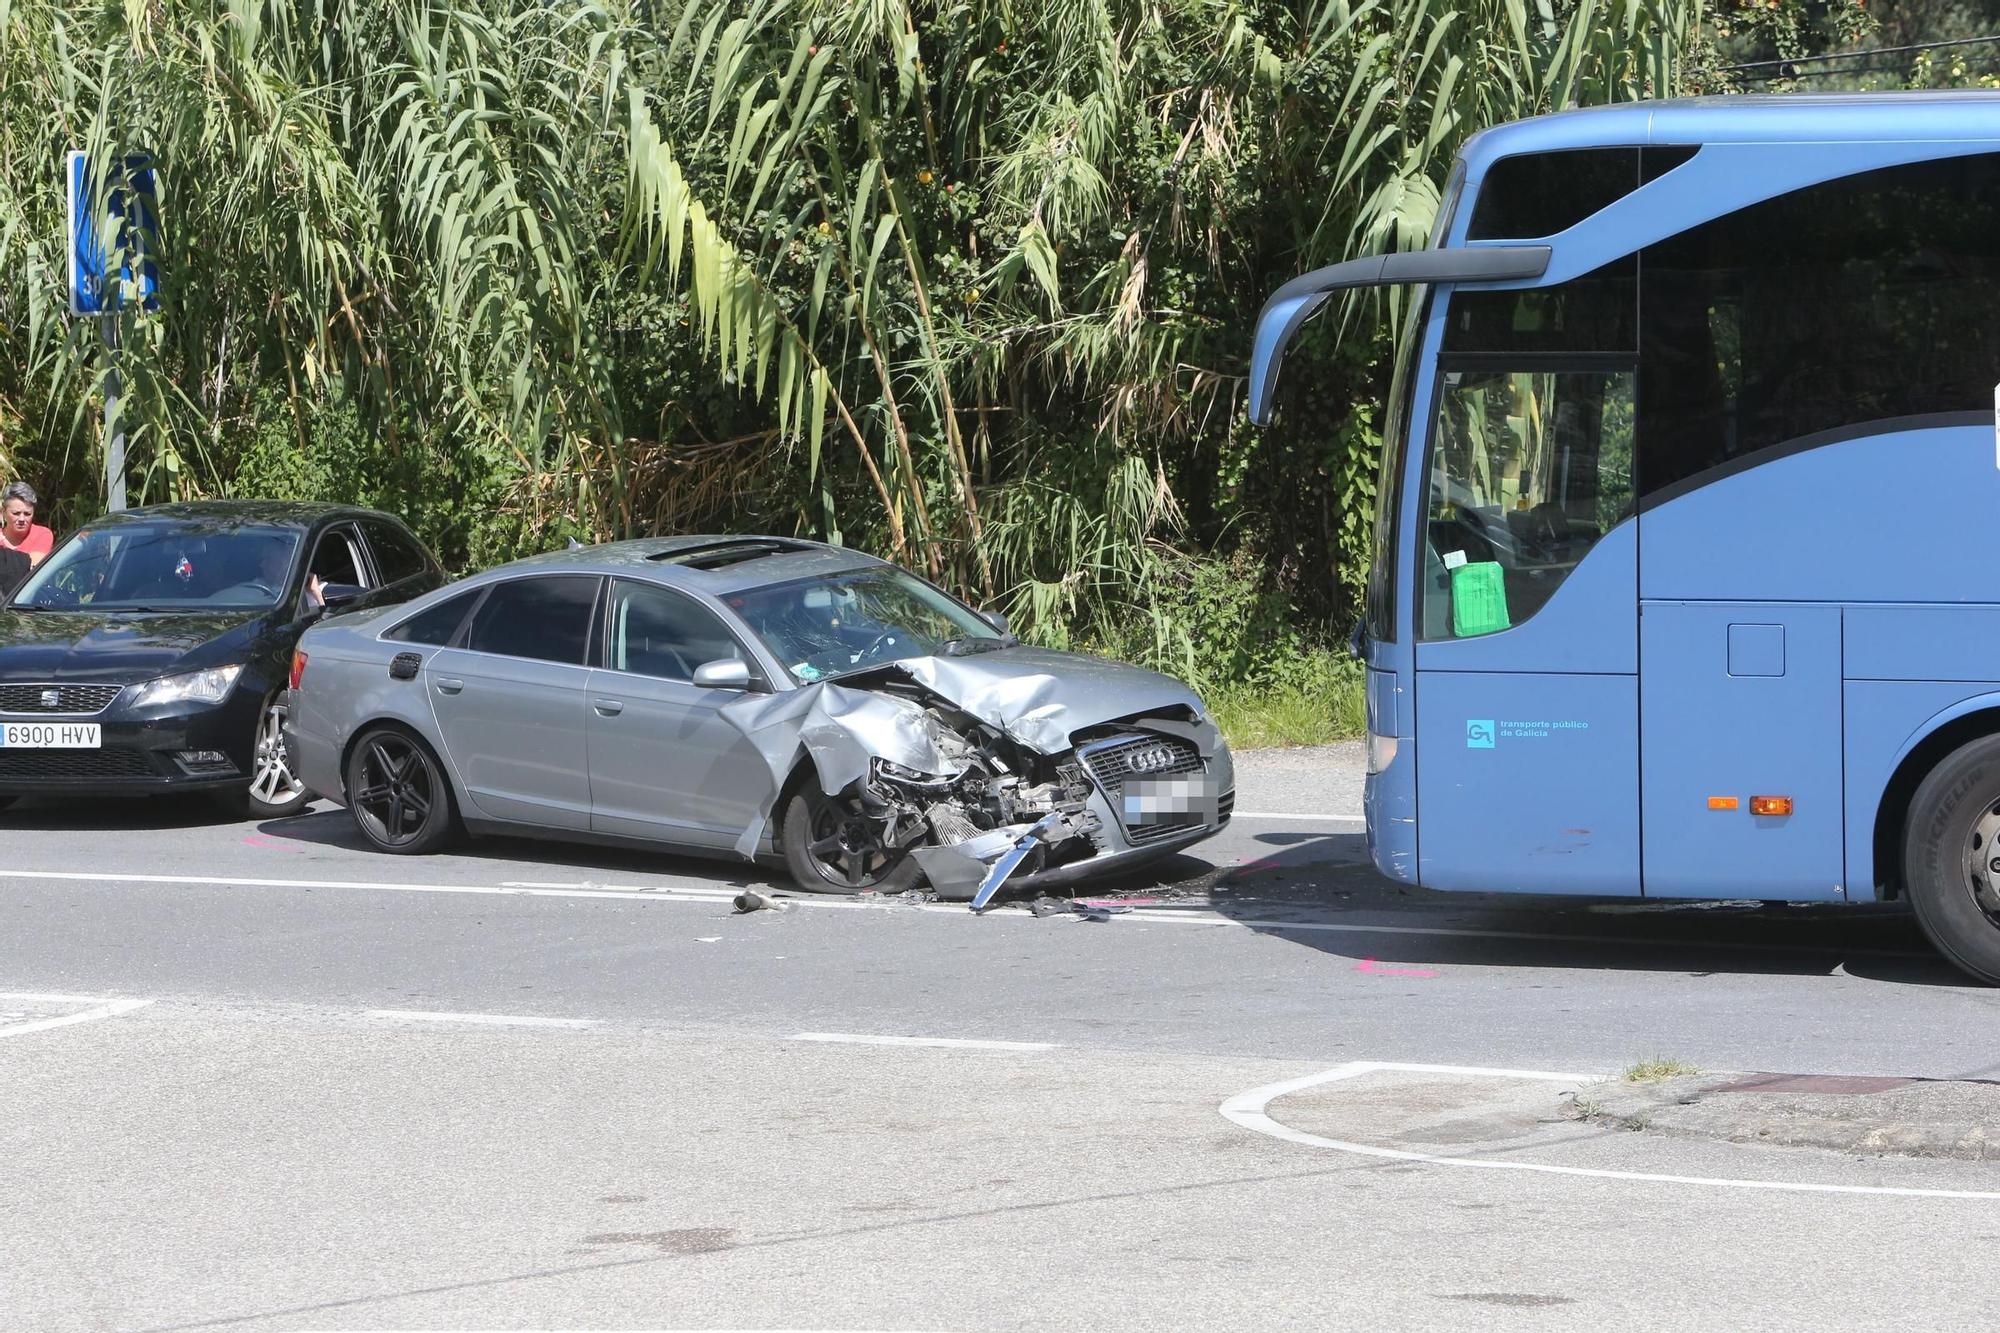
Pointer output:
x,y
898,773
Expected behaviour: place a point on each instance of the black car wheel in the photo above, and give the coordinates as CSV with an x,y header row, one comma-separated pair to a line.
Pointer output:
x,y
1951,857
398,793
275,791
831,847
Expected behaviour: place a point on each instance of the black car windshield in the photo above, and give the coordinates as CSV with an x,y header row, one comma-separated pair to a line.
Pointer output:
x,y
165,565
834,624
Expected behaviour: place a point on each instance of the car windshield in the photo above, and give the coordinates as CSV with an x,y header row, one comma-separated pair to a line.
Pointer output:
x,y
834,624
165,565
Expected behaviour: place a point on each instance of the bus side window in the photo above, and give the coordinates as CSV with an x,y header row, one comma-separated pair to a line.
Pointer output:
x,y
1529,469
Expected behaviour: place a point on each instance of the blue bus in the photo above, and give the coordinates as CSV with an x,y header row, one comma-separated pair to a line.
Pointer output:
x,y
1683,584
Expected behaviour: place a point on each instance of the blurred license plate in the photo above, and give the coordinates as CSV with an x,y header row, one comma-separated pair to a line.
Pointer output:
x,y
1152,802
52,736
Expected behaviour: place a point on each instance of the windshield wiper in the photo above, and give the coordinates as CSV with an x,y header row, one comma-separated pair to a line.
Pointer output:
x,y
968,646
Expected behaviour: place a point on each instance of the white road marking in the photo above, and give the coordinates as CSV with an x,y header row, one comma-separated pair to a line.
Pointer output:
x,y
500,1020
1248,1110
1321,819
1142,915
101,1008
43,997
965,1042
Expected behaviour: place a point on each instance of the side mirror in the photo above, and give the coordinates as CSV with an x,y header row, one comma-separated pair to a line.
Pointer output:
x,y
340,594
728,673
997,621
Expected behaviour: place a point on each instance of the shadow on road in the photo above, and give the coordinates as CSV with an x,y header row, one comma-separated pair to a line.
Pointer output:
x,y
330,826
1321,892
106,814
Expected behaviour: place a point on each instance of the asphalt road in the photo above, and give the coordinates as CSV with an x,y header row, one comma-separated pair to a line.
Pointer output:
x,y
254,1076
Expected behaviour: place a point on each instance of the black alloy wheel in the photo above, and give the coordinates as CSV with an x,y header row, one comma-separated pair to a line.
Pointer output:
x,y
830,846
398,793
1951,857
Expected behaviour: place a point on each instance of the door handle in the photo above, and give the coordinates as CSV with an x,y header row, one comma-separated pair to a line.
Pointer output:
x,y
446,685
608,707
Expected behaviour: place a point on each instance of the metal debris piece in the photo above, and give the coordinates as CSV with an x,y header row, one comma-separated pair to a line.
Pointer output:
x,y
1088,910
1011,859
750,900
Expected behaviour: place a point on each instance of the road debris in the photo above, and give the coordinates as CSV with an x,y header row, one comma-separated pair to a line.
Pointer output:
x,y
1088,910
751,900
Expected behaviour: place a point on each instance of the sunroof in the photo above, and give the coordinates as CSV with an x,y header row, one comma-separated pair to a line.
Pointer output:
x,y
720,555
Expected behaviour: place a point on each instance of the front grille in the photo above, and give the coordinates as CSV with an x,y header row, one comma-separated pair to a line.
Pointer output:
x,y
1111,762
75,765
1115,762
43,700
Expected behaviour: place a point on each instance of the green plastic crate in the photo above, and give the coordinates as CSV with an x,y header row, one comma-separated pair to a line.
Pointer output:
x,y
1478,599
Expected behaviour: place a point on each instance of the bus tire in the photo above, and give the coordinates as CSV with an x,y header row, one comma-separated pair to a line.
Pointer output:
x,y
1951,857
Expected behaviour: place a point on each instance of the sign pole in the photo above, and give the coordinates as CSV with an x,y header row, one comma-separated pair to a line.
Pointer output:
x,y
114,429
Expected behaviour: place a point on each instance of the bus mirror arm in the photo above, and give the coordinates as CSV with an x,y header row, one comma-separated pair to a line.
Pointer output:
x,y
1298,300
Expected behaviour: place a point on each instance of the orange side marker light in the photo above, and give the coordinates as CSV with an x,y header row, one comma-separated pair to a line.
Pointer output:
x,y
1770,805
1722,802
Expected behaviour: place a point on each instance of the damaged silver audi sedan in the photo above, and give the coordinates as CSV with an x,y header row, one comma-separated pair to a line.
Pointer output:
x,y
763,696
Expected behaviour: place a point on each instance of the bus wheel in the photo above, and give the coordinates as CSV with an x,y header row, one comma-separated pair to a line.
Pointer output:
x,y
1951,857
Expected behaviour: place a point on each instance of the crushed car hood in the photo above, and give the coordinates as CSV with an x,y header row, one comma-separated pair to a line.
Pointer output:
x,y
1041,697
1037,696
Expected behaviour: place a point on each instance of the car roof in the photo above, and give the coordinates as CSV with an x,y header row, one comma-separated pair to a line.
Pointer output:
x,y
1947,116
275,513
714,564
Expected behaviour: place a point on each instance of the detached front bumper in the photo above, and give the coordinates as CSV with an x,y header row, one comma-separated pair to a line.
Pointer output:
x,y
200,748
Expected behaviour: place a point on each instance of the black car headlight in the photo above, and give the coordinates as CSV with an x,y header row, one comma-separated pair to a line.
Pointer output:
x,y
210,686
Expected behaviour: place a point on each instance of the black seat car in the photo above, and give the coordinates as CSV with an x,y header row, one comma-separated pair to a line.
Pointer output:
x,y
150,651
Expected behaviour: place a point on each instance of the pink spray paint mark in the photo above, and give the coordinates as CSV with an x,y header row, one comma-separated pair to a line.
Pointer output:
x,y
1119,902
1375,969
259,840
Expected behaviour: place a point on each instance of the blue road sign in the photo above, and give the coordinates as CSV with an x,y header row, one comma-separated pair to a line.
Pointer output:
x,y
123,229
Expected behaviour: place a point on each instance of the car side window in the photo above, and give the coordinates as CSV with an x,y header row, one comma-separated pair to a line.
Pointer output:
x,y
662,634
546,619
397,556
436,625
335,559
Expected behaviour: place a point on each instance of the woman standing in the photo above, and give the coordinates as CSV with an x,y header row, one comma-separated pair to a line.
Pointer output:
x,y
18,529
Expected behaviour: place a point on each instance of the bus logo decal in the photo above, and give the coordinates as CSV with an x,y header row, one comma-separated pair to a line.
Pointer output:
x,y
1479,734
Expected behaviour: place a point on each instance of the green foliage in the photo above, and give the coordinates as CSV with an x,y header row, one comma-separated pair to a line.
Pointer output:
x,y
968,283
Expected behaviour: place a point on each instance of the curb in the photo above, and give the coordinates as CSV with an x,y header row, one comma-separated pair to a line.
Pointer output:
x,y
1898,1117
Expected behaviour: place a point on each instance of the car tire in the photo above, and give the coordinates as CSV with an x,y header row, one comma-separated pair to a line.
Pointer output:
x,y
398,793
1951,848
275,792
823,839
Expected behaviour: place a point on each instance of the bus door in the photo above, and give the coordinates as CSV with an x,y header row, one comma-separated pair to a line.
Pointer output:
x,y
1527,704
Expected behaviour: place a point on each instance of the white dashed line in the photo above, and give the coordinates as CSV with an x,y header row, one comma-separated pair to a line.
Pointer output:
x,y
967,1043
101,1008
1248,1110
496,1020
